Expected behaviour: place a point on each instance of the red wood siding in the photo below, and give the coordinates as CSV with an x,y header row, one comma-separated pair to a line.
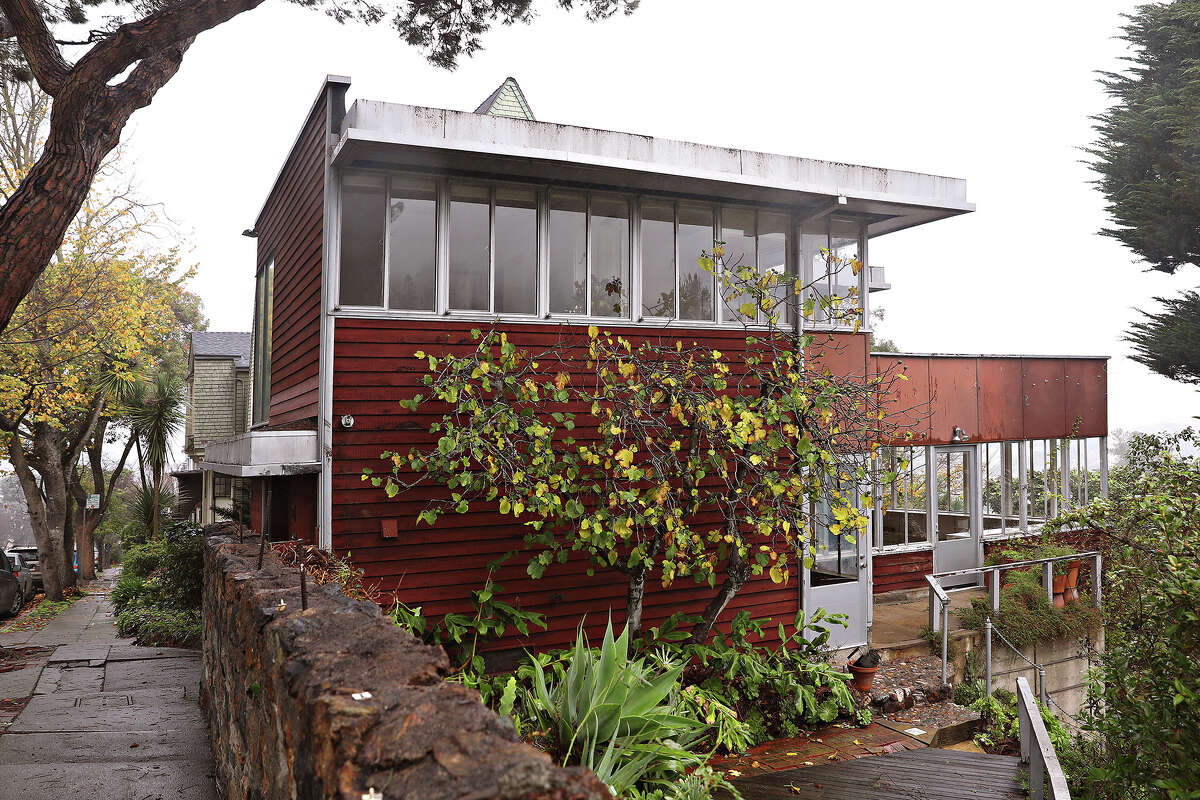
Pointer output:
x,y
290,230
438,567
901,570
996,398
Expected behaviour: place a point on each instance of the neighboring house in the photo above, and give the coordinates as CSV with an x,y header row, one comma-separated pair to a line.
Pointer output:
x,y
355,273
218,407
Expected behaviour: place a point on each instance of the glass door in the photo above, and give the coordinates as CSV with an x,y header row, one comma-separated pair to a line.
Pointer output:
x,y
837,581
955,514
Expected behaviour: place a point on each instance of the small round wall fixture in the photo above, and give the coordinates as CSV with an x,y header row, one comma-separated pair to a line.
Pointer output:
x,y
959,435
347,421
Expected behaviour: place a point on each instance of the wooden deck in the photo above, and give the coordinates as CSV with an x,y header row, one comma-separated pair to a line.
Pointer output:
x,y
923,774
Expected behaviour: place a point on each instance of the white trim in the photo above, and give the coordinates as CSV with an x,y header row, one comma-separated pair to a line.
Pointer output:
x,y
330,283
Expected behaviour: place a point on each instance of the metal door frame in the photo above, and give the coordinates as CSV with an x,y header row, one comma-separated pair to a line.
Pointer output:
x,y
975,505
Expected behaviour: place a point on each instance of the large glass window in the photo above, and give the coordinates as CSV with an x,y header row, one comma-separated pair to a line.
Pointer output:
x,y
658,259
695,282
362,233
412,243
470,248
609,256
516,250
568,252
835,552
738,233
264,312
905,514
774,234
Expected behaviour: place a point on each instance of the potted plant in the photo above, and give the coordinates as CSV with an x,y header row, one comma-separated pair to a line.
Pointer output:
x,y
1071,584
863,669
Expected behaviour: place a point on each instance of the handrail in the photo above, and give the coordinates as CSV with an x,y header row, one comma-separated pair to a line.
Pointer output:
x,y
1016,564
1037,750
936,592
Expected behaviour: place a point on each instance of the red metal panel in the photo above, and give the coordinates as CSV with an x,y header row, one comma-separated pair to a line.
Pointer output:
x,y
954,390
907,404
1000,400
1044,395
1087,396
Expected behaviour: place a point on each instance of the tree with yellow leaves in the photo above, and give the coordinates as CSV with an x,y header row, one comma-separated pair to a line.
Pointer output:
x,y
100,309
687,462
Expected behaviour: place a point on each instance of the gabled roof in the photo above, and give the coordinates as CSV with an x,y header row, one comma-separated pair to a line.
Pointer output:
x,y
507,101
223,344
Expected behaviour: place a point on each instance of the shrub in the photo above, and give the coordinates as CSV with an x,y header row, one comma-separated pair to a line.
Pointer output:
x,y
1026,616
617,717
157,598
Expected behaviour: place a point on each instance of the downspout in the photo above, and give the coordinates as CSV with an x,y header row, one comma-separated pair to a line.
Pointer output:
x,y
335,110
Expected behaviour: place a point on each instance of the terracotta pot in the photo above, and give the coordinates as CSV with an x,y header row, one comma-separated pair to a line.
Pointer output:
x,y
863,676
1060,582
1071,589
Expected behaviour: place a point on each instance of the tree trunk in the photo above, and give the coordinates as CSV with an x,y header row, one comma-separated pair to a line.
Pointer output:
x,y
47,505
157,494
737,571
634,597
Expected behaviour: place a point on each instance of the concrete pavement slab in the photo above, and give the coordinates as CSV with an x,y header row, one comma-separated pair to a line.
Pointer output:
x,y
71,679
133,710
172,780
157,674
102,746
79,652
129,652
19,682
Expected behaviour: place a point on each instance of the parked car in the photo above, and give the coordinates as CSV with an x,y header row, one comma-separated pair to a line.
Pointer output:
x,y
20,568
30,556
11,596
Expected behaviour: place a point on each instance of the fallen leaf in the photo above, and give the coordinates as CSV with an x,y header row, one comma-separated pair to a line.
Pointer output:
x,y
856,741
808,763
793,754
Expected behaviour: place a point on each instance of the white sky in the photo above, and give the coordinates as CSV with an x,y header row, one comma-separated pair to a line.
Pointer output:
x,y
998,94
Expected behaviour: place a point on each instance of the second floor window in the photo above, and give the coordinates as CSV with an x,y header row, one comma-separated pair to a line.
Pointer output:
x,y
456,246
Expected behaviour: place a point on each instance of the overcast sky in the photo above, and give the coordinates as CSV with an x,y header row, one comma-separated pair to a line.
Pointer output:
x,y
1000,97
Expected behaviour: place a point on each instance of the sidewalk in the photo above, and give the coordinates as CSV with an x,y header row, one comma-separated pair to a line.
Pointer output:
x,y
101,718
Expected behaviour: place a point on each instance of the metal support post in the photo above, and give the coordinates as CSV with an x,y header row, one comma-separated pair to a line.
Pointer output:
x,y
1048,580
1096,598
945,638
1043,693
994,589
987,655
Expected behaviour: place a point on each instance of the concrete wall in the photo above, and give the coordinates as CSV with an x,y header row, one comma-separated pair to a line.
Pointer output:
x,y
278,688
1066,662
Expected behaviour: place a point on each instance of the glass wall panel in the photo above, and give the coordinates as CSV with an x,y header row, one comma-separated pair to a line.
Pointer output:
x,y
362,232
905,513
412,244
658,259
738,233
845,250
470,248
774,239
516,250
814,241
835,556
568,252
695,282
610,257
952,481
992,480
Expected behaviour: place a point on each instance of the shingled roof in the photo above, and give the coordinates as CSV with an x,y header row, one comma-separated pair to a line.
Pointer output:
x,y
507,101
223,344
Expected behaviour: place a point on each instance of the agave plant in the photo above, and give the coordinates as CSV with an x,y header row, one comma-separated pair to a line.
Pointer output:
x,y
617,716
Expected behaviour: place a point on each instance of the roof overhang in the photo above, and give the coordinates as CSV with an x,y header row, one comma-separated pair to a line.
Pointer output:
x,y
389,135
263,453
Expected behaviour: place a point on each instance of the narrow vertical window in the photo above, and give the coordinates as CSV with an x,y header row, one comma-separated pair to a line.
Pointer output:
x,y
814,241
658,259
737,231
695,282
516,250
774,239
264,311
568,252
470,248
609,274
845,249
362,233
412,244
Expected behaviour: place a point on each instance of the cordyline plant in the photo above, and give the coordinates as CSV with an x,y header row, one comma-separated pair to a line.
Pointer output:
x,y
658,456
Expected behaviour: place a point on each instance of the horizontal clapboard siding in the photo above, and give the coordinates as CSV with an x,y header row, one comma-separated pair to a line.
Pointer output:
x,y
290,232
437,568
901,570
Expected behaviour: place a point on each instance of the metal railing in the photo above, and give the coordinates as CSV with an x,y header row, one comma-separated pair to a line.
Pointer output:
x,y
939,600
1037,750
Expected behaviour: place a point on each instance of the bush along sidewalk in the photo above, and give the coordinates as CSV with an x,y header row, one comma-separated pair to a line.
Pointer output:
x,y
157,598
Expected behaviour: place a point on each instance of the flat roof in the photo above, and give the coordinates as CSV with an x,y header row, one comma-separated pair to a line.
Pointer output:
x,y
394,135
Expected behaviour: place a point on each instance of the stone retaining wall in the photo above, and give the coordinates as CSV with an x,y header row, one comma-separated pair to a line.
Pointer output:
x,y
278,691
